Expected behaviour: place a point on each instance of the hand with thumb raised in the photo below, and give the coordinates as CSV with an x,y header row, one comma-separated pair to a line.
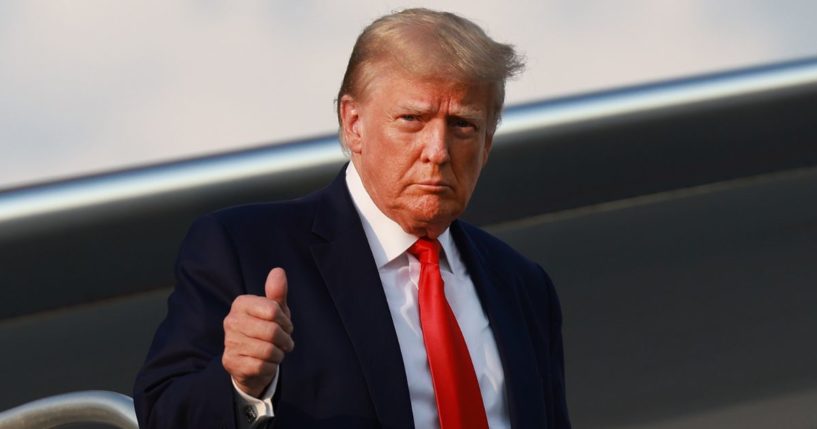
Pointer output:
x,y
257,335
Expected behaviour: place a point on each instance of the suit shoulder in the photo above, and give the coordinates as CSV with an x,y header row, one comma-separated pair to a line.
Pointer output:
x,y
496,249
262,214
252,226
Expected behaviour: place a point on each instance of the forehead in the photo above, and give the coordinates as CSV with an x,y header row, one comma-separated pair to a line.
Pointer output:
x,y
401,89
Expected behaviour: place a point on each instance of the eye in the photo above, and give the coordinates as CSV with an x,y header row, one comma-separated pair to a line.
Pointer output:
x,y
462,123
409,117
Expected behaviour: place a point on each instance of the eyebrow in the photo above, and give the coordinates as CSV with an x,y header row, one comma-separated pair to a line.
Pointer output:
x,y
421,108
414,107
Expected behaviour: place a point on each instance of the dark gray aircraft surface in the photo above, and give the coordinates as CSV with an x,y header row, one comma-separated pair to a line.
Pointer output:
x,y
678,220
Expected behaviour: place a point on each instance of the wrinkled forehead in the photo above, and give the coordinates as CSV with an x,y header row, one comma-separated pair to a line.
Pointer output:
x,y
481,95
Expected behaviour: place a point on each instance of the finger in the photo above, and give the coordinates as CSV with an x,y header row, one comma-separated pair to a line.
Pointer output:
x,y
260,329
237,346
280,338
268,310
275,287
257,306
257,349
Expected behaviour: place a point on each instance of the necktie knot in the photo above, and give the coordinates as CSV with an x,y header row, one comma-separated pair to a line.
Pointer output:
x,y
426,250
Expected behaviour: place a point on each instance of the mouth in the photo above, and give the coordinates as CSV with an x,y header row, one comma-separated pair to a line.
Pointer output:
x,y
434,186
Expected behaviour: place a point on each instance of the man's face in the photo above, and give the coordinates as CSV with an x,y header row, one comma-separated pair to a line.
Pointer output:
x,y
419,146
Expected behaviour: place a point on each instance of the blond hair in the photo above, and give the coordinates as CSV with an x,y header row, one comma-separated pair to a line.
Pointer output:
x,y
431,44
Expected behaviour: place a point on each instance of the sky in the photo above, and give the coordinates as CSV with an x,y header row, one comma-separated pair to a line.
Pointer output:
x,y
90,86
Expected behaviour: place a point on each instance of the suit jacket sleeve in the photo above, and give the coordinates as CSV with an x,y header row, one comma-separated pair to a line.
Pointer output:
x,y
557,383
183,382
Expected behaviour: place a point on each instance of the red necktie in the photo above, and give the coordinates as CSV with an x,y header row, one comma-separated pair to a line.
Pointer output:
x,y
459,401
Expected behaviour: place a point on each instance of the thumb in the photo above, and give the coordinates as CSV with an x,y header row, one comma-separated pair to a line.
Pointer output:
x,y
276,287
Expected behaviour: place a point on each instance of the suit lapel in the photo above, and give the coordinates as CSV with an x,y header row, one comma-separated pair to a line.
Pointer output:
x,y
349,271
501,306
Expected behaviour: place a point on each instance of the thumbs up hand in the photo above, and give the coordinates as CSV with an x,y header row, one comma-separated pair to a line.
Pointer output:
x,y
257,335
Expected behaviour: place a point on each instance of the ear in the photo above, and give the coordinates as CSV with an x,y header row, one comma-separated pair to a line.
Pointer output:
x,y
351,124
486,150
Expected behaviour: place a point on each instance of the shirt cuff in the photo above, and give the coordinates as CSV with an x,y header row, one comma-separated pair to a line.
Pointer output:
x,y
251,410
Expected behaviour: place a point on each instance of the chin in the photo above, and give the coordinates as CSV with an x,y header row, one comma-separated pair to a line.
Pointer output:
x,y
436,213
425,214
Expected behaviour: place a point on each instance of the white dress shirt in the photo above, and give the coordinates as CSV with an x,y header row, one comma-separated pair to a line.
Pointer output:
x,y
399,273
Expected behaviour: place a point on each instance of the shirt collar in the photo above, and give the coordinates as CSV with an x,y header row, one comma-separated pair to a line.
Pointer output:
x,y
386,238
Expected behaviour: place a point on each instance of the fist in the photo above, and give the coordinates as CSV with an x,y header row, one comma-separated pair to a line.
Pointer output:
x,y
257,335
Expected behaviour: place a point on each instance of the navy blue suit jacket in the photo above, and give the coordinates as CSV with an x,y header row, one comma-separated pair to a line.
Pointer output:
x,y
346,370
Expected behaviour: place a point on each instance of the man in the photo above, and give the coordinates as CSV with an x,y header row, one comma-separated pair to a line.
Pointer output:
x,y
368,304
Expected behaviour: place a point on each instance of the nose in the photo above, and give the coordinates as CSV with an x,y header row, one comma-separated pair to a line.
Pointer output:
x,y
435,143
